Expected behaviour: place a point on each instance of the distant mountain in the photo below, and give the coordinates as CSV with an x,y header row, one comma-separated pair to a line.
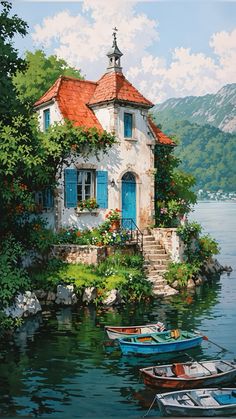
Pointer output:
x,y
206,152
217,109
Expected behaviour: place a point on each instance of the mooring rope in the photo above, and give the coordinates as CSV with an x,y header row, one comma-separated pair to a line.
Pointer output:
x,y
151,406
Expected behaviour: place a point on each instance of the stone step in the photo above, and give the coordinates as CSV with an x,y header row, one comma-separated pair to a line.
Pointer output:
x,y
154,265
153,247
148,239
154,252
155,256
159,268
158,284
155,260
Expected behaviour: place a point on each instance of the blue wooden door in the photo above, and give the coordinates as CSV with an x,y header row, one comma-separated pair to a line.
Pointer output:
x,y
129,196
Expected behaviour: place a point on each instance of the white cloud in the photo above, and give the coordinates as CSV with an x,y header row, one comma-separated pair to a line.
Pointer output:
x,y
84,39
188,73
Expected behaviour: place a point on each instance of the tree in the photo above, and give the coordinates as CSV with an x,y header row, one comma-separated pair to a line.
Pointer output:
x,y
29,158
40,74
174,196
10,62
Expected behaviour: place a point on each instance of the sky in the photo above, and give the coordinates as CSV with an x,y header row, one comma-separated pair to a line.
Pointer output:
x,y
171,48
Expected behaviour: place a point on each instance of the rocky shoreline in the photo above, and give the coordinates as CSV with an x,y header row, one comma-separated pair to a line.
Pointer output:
x,y
30,303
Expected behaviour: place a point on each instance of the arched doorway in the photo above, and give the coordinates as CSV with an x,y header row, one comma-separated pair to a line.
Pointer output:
x,y
129,196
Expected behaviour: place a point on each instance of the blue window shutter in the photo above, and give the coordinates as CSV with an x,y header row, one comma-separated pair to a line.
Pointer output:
x,y
47,198
128,125
70,188
102,188
46,116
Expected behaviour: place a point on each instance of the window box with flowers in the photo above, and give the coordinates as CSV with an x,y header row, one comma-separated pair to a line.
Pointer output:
x,y
89,205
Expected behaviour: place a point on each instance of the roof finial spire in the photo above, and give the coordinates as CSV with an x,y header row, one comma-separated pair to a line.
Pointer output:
x,y
114,35
114,55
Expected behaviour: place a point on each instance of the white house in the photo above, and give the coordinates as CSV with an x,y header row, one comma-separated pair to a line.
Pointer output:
x,y
123,178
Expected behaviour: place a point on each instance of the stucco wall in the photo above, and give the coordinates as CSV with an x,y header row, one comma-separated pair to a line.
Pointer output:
x,y
127,155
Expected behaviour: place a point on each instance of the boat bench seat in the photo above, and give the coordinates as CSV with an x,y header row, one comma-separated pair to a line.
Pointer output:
x,y
225,398
194,400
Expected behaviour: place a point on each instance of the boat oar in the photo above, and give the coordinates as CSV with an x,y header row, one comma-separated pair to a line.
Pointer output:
x,y
213,343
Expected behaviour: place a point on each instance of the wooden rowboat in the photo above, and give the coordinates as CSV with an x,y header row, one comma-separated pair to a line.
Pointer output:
x,y
118,332
159,343
190,374
202,403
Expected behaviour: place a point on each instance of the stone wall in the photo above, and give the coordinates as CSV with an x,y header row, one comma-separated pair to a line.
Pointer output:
x,y
89,255
171,242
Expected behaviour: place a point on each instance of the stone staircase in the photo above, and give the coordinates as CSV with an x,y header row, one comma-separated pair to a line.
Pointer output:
x,y
156,261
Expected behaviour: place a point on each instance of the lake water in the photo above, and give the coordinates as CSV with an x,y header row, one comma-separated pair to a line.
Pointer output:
x,y
56,365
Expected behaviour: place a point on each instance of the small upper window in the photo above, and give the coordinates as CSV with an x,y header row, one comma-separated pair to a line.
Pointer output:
x,y
46,119
128,125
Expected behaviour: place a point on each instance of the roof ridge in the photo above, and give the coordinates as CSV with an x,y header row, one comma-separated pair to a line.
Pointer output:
x,y
76,79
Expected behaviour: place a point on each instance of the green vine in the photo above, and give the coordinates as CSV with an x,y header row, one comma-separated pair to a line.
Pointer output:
x,y
173,195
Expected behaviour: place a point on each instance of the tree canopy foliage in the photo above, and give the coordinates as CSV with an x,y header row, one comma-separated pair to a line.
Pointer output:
x,y
9,59
29,158
174,195
40,74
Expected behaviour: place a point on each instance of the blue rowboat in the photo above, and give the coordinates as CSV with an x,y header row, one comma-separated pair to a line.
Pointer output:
x,y
159,343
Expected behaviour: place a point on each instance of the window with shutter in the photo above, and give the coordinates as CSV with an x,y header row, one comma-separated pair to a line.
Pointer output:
x,y
70,188
102,188
128,125
79,186
44,199
46,119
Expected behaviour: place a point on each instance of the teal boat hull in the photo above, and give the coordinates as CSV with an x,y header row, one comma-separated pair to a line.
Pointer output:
x,y
158,348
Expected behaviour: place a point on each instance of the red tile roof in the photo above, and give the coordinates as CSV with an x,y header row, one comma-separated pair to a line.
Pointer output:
x,y
159,135
114,86
50,93
72,95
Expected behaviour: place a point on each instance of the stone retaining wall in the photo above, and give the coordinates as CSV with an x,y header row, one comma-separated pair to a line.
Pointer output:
x,y
171,242
89,255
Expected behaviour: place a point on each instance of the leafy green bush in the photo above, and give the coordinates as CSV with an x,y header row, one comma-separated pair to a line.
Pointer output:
x,y
135,287
208,247
8,323
13,278
188,231
197,248
181,272
121,272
